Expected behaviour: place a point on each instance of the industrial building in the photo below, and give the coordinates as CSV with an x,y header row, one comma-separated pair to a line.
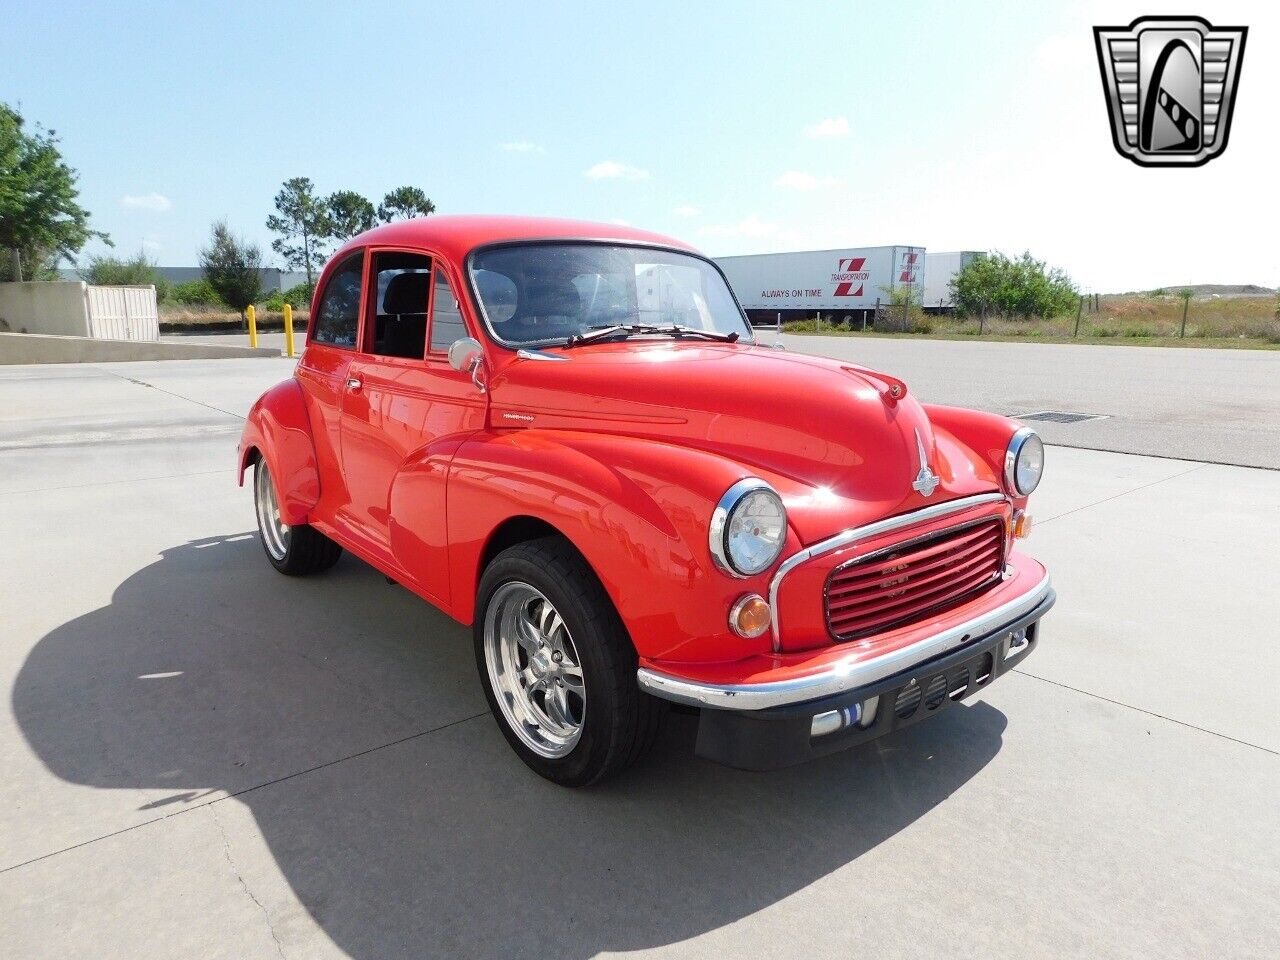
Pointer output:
x,y
273,278
847,284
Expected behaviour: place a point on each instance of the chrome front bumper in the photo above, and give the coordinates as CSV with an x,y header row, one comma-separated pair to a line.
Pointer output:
x,y
843,675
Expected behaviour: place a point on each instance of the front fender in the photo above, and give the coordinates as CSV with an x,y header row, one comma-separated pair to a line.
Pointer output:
x,y
638,510
279,430
987,435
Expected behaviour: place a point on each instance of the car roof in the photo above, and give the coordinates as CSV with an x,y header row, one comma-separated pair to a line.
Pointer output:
x,y
458,235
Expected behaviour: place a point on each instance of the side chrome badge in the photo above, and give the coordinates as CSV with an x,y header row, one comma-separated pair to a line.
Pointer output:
x,y
926,480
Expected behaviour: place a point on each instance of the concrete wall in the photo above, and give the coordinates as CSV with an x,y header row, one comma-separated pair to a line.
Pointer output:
x,y
56,307
37,348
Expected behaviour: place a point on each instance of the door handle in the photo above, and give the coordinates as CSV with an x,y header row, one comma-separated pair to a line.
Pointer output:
x,y
354,383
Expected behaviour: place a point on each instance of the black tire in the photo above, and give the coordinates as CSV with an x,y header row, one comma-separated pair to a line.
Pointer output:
x,y
620,722
302,550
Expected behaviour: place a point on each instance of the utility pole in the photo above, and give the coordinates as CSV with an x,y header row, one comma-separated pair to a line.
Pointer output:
x,y
1079,310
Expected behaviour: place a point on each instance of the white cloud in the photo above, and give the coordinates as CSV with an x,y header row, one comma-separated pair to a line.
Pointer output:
x,y
155,202
687,211
830,127
754,234
799,180
612,170
149,244
752,226
521,146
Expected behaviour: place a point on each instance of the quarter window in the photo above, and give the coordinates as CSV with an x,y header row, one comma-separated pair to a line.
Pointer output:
x,y
446,316
338,316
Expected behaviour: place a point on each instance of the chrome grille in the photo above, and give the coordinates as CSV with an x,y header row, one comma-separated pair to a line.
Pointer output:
x,y
906,582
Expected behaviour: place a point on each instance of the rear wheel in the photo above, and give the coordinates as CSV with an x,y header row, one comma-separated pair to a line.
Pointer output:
x,y
293,549
557,666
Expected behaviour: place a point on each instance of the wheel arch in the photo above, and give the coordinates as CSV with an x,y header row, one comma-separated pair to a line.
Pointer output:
x,y
278,432
636,510
516,530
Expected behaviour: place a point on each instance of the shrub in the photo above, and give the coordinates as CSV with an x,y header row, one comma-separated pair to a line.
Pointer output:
x,y
195,292
111,271
993,283
298,297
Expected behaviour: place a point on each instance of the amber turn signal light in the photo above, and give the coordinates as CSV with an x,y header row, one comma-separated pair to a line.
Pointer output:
x,y
749,616
1022,525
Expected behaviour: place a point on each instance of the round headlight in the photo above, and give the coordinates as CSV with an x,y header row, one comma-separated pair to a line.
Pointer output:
x,y
748,528
1024,462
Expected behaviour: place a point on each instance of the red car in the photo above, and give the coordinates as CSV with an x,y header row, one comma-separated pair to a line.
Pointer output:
x,y
567,436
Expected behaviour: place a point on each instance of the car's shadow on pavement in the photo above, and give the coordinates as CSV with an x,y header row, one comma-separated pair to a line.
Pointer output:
x,y
208,671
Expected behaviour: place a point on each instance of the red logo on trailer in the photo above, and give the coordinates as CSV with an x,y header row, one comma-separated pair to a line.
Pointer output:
x,y
848,272
908,268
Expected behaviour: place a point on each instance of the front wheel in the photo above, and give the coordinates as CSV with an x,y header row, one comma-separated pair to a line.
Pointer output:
x,y
293,549
557,666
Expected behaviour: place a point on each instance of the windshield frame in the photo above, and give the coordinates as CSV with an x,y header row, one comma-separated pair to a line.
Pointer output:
x,y
478,302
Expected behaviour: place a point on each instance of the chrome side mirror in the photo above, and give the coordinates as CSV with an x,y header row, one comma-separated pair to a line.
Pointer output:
x,y
466,355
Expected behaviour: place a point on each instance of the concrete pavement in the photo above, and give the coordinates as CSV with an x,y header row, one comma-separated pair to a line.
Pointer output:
x,y
203,758
1216,405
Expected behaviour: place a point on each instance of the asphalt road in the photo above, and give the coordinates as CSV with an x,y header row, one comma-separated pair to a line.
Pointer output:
x,y
205,759
1219,406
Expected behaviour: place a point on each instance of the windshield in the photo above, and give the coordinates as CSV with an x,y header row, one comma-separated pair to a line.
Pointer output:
x,y
544,293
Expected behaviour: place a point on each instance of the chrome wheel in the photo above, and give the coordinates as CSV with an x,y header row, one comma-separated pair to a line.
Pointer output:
x,y
534,670
275,532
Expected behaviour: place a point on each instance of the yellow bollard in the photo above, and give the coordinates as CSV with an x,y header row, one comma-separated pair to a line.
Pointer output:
x,y
288,330
252,316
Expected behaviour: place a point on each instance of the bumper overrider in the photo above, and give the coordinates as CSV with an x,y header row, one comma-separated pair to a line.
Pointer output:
x,y
765,725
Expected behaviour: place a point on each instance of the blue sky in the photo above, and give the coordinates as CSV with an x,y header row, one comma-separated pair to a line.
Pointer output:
x,y
739,127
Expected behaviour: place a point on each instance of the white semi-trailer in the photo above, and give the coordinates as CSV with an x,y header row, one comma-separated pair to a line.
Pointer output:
x,y
846,282
939,270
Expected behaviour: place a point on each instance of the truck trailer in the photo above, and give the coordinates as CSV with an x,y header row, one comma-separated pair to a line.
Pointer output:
x,y
845,285
939,270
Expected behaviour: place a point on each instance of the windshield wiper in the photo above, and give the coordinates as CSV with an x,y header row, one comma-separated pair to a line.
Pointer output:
x,y
632,329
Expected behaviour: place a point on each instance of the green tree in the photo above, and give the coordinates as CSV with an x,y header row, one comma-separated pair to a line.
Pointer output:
x,y
1025,287
41,220
403,203
302,220
349,214
232,267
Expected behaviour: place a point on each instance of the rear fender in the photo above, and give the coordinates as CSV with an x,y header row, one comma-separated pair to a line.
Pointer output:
x,y
637,510
278,430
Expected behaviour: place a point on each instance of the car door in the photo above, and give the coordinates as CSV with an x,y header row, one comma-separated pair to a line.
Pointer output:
x,y
403,405
332,339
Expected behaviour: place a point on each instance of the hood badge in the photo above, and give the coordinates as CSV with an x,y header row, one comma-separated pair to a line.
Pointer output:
x,y
926,480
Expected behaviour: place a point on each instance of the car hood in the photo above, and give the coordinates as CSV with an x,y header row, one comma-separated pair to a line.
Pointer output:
x,y
842,443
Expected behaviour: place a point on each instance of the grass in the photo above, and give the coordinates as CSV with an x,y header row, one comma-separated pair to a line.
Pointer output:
x,y
1140,320
195,317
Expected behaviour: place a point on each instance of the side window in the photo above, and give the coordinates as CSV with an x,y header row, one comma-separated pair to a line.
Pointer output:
x,y
446,316
402,290
339,313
